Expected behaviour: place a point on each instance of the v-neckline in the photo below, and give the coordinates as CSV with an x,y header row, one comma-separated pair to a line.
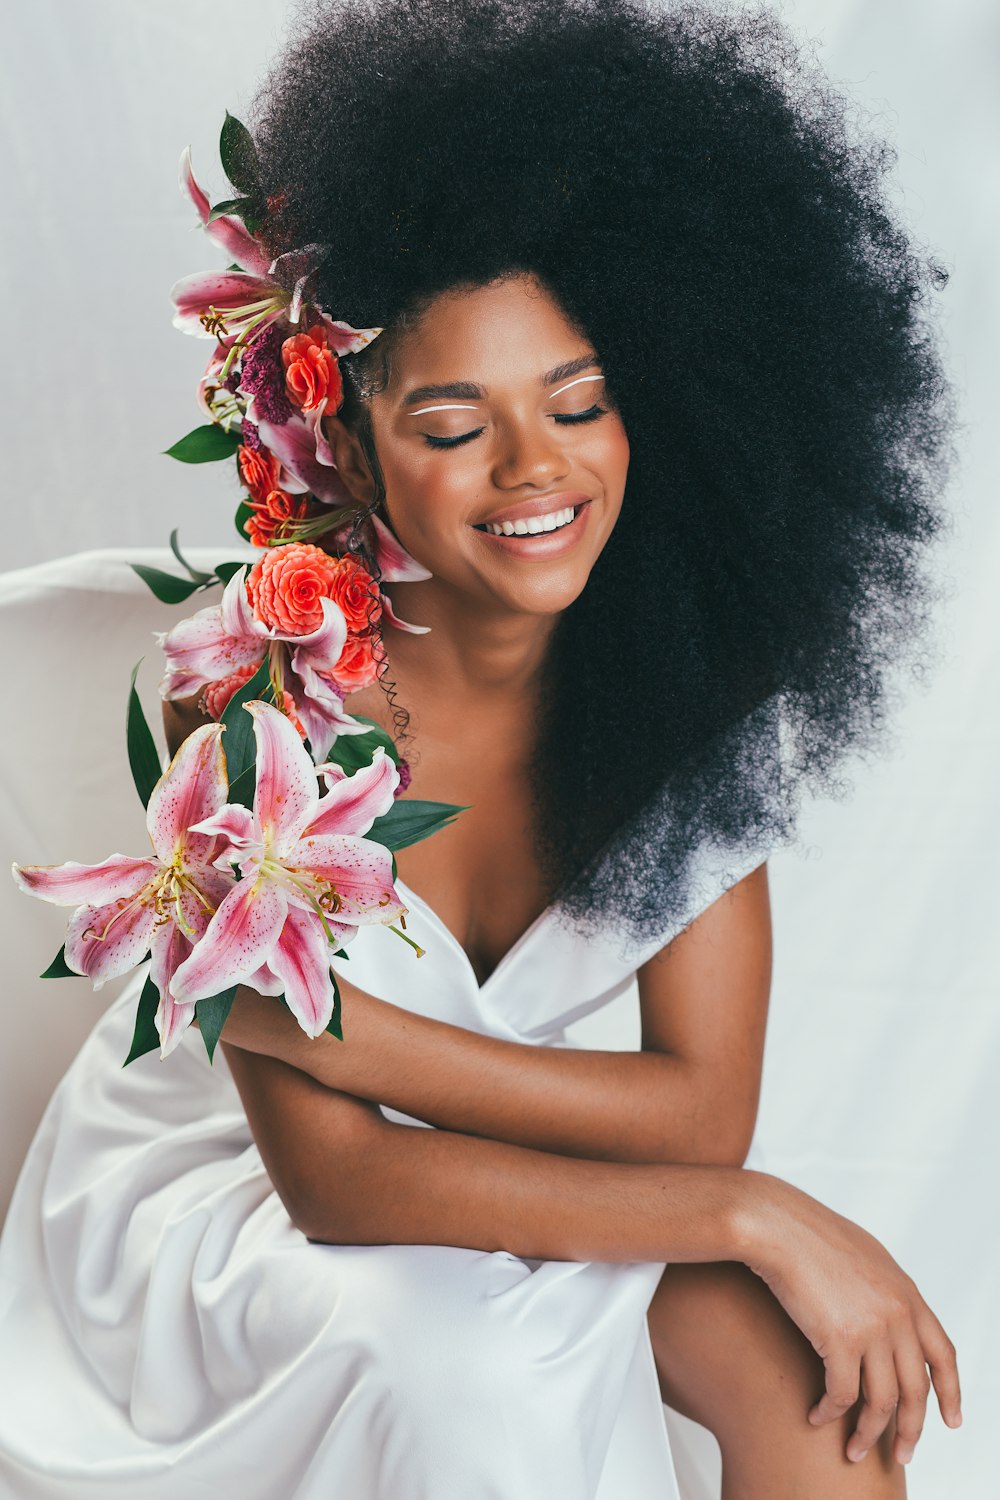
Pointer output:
x,y
505,960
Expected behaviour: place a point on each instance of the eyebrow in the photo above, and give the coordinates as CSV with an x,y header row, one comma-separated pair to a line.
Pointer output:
x,y
468,390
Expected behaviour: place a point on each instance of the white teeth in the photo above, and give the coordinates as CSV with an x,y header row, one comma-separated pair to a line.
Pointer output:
x,y
537,524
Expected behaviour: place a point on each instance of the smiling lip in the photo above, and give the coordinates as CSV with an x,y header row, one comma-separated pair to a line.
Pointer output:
x,y
541,545
544,506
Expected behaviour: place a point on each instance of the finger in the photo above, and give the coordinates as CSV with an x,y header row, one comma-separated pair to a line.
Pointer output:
x,y
914,1388
939,1352
881,1392
843,1379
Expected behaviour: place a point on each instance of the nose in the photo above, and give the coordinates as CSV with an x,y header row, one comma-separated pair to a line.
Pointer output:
x,y
528,455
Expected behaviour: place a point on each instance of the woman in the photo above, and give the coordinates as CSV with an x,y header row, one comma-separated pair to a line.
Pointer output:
x,y
640,289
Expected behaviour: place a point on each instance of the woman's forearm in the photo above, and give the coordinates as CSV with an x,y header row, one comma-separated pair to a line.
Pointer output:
x,y
407,1185
641,1107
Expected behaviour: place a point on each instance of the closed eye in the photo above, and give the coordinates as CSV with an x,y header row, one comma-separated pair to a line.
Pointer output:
x,y
564,418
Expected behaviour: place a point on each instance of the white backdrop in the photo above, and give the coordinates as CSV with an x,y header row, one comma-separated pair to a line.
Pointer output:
x,y
884,1047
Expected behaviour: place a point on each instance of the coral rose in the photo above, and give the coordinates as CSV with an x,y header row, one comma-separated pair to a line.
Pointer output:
x,y
356,664
351,591
258,470
312,373
269,517
287,586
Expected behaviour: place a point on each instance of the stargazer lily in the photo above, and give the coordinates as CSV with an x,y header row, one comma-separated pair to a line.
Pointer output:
x,y
162,904
309,878
221,638
235,307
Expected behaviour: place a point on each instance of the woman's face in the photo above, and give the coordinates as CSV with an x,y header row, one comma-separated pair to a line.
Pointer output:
x,y
496,410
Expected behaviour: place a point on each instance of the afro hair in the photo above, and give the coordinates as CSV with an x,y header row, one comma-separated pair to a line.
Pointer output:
x,y
702,202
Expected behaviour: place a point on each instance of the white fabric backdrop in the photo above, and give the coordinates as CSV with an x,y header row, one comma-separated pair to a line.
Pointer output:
x,y
879,1091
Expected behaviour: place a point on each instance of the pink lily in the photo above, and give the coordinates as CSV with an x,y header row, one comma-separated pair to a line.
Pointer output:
x,y
235,307
162,904
310,878
220,639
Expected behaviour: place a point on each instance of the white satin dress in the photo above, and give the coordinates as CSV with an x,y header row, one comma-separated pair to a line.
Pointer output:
x,y
167,1334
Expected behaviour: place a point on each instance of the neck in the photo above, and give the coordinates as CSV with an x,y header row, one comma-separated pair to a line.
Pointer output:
x,y
471,650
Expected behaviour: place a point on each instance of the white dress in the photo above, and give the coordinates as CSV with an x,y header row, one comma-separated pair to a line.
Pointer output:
x,y
167,1334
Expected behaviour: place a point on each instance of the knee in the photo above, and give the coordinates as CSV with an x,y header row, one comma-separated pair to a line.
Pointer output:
x,y
724,1345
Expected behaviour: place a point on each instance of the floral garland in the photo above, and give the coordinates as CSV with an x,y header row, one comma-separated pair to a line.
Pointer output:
x,y
255,876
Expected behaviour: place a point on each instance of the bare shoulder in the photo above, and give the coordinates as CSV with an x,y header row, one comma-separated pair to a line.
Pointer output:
x,y
707,991
181,717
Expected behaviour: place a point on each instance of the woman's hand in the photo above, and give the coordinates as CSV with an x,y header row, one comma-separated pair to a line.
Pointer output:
x,y
862,1314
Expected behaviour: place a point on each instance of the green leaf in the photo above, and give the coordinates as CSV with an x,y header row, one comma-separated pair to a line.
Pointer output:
x,y
353,751
243,513
238,741
239,155
224,572
194,573
334,1026
145,1038
204,445
211,1013
341,953
142,756
59,968
166,586
410,820
228,206
380,736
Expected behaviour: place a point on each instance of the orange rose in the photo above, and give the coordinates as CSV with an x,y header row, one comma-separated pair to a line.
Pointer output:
x,y
311,370
287,586
270,515
351,591
356,665
259,470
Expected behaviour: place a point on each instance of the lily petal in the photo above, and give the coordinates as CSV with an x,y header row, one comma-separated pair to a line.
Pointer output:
x,y
285,797
358,869
193,787
200,649
72,884
294,444
353,804
321,710
344,339
227,231
395,563
237,940
236,829
321,649
108,940
301,960
225,290
169,948
391,615
265,981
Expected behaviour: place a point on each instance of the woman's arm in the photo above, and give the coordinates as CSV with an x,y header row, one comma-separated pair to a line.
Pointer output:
x,y
348,1176
689,1096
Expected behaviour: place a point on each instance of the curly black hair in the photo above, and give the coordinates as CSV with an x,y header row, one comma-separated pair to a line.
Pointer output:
x,y
702,203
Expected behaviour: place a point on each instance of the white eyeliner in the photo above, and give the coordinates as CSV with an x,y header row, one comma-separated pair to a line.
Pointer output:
x,y
465,406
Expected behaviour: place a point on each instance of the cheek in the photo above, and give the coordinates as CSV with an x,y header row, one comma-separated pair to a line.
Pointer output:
x,y
428,488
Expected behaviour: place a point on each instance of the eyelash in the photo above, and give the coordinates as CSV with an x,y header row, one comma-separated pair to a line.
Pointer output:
x,y
565,418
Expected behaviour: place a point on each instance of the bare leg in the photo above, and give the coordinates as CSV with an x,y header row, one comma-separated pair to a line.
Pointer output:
x,y
729,1357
